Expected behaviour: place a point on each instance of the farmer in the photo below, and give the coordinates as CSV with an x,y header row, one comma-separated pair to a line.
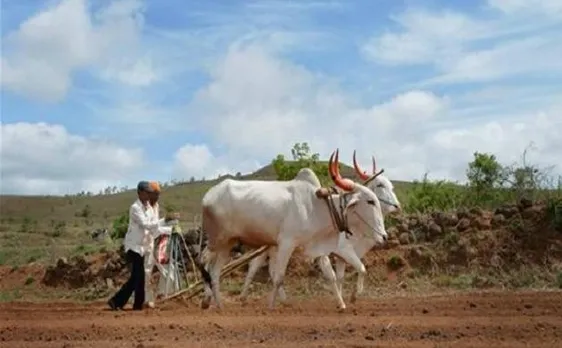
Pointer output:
x,y
144,226
150,259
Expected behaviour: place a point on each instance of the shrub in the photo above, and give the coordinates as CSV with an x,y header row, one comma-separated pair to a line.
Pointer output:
x,y
427,196
120,226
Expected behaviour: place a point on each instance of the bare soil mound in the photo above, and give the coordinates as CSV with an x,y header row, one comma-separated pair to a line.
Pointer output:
x,y
83,271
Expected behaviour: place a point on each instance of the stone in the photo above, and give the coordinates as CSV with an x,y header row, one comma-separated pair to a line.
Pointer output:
x,y
392,232
404,238
525,203
463,225
434,229
482,223
476,211
507,210
403,227
498,220
462,213
532,212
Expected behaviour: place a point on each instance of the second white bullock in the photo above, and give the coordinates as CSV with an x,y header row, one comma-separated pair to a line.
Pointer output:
x,y
384,190
285,215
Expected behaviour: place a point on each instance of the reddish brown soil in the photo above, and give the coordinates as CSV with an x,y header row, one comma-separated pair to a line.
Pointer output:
x,y
507,319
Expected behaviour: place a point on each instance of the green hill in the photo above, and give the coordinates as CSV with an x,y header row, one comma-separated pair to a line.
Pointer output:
x,y
40,223
101,209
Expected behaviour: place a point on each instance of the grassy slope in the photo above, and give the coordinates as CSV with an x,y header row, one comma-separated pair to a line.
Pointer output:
x,y
28,225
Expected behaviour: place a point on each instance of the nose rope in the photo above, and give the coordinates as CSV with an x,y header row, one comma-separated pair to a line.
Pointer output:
x,y
364,221
388,203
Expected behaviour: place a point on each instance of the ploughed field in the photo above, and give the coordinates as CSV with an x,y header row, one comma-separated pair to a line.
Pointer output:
x,y
477,319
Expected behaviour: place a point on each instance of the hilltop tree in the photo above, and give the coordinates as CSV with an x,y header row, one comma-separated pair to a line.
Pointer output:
x,y
525,178
302,158
485,173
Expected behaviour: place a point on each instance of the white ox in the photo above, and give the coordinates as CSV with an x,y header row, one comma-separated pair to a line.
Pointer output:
x,y
285,215
361,244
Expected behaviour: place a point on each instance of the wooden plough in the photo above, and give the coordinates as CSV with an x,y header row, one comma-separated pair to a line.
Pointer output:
x,y
197,287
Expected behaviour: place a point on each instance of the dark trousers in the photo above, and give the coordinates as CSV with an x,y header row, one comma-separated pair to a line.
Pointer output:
x,y
134,283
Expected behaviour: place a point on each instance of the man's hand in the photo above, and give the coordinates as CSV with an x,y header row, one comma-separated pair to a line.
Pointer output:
x,y
172,216
176,228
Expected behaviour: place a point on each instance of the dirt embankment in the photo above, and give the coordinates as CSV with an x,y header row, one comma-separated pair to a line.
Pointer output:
x,y
510,239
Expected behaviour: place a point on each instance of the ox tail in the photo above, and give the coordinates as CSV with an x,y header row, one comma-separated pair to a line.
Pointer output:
x,y
207,256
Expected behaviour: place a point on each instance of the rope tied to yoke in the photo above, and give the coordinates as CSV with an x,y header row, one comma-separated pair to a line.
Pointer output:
x,y
338,218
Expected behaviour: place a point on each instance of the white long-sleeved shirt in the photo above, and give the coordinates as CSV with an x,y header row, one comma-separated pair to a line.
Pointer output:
x,y
163,227
144,226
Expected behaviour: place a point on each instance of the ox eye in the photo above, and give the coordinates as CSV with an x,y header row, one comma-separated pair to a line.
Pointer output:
x,y
380,185
371,202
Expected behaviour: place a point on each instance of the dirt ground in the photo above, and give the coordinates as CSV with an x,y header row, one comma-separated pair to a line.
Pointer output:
x,y
492,319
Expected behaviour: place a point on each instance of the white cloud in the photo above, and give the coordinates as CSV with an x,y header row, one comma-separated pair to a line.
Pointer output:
x,y
259,105
535,55
508,138
132,71
197,160
465,48
40,158
526,7
427,37
259,94
39,59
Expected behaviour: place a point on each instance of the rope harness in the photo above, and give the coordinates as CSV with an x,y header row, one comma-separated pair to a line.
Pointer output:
x,y
338,218
336,213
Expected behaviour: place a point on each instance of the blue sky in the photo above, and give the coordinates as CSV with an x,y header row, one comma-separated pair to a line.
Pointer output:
x,y
98,93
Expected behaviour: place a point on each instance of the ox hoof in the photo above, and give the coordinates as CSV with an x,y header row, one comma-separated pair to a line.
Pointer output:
x,y
341,309
205,303
353,298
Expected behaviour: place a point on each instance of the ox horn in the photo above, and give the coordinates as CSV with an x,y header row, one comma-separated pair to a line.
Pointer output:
x,y
343,183
375,174
362,174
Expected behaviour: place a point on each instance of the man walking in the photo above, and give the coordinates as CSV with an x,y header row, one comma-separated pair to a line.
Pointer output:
x,y
144,226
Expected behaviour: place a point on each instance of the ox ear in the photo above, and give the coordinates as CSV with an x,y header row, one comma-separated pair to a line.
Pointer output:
x,y
352,202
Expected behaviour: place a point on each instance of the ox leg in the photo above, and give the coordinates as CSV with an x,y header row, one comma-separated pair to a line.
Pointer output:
x,y
216,261
220,261
253,267
284,252
328,271
208,266
340,273
349,255
271,267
